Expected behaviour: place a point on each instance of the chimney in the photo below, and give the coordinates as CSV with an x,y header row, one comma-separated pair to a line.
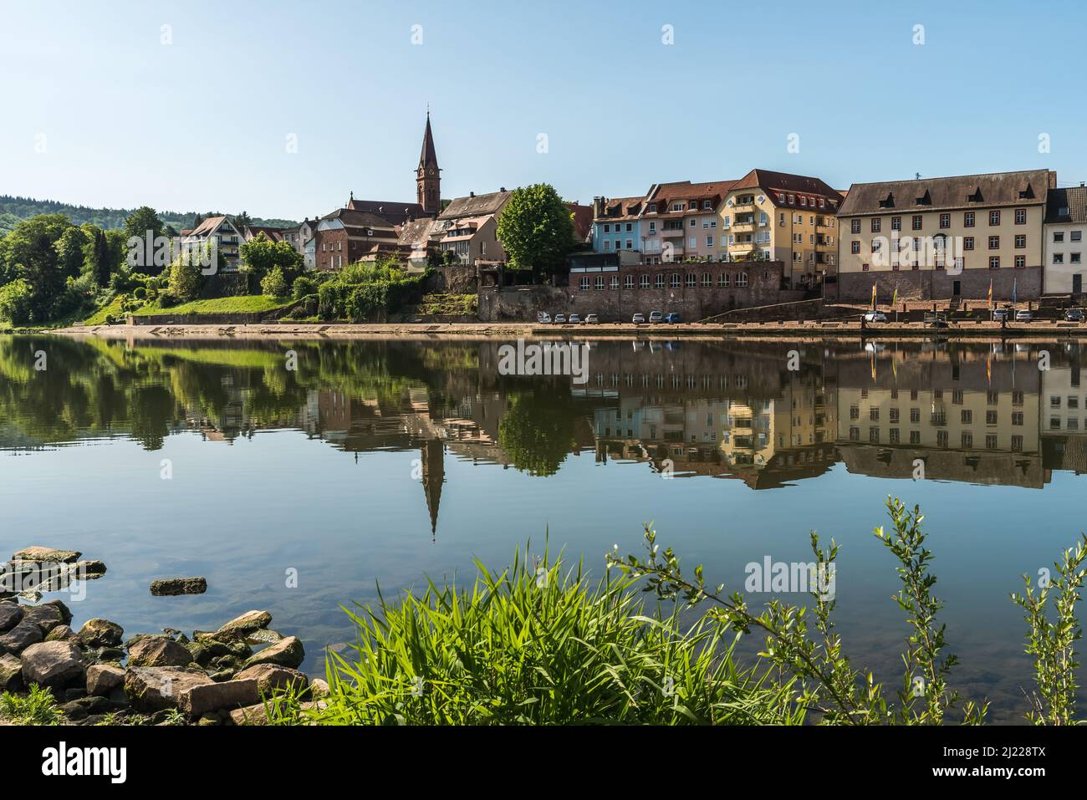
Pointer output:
x,y
598,207
471,194
501,188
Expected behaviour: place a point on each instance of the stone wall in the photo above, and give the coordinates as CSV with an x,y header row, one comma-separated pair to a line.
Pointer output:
x,y
938,284
718,287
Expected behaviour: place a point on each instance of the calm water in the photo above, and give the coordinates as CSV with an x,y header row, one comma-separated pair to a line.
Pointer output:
x,y
379,463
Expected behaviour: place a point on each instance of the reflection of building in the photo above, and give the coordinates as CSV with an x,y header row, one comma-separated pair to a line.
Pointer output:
x,y
1063,411
966,420
433,457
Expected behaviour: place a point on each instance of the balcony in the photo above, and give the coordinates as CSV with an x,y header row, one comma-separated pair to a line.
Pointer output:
x,y
748,203
672,232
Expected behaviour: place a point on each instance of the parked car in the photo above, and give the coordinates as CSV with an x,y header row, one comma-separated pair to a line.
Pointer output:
x,y
1073,315
638,319
543,318
1023,315
574,319
1001,314
875,316
655,317
560,319
672,318
591,319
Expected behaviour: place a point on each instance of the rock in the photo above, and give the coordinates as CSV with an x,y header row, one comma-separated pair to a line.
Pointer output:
x,y
318,687
199,700
10,616
263,636
74,711
158,651
89,569
46,616
100,632
104,678
245,623
110,654
39,553
60,633
11,673
250,715
65,612
286,653
20,637
152,689
74,693
52,664
272,678
169,587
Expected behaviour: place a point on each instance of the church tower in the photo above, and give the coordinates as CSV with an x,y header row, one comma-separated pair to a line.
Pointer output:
x,y
428,181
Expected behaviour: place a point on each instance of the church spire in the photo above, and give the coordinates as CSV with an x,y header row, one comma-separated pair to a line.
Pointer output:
x,y
428,174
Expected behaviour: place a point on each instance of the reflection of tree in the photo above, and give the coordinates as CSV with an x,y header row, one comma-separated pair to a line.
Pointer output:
x,y
537,431
152,410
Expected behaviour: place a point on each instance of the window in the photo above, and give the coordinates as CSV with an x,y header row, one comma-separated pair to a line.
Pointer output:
x,y
876,221
967,441
854,434
707,204
1073,401
917,222
694,223
1075,259
854,247
607,246
1020,262
628,282
990,417
643,281
915,415
652,208
968,243
873,414
677,206
630,244
1075,236
1017,398
709,240
653,226
1020,241
674,282
614,282
915,437
607,229
854,226
1058,236
968,219
723,279
1020,216
945,220
994,262
1017,444
741,279
692,280
629,229
583,284
1055,401
893,419
854,412
707,279
1017,418
941,438
894,435
599,282
994,242
873,435
990,441
994,217
659,282
1058,258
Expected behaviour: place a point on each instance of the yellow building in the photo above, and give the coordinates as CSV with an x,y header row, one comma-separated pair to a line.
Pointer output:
x,y
781,217
944,238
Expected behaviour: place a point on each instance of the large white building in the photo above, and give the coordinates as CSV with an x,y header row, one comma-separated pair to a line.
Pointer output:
x,y
1065,241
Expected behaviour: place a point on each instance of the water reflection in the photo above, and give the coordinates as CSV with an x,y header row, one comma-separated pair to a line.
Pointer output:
x,y
769,414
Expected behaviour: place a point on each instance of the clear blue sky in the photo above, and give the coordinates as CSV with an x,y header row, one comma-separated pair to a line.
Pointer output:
x,y
202,123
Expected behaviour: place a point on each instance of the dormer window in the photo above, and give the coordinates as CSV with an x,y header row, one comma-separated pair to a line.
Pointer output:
x,y
803,200
1062,211
888,201
707,204
781,197
791,200
976,196
692,205
1027,194
652,208
924,200
677,206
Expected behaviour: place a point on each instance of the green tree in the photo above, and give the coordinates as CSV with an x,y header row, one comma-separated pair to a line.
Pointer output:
x,y
29,252
261,255
15,302
537,431
142,220
536,229
241,220
185,277
70,252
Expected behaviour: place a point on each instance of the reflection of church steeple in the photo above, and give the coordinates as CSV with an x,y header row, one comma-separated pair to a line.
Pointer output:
x,y
433,452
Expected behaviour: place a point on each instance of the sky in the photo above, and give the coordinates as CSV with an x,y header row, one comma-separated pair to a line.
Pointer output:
x,y
282,109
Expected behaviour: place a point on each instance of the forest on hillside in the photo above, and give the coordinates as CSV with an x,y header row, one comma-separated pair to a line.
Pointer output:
x,y
14,209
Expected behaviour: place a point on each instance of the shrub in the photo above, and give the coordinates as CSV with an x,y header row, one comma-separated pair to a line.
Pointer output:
x,y
15,300
37,707
303,287
274,284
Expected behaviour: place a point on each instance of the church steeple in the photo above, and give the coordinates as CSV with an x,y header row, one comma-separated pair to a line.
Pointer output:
x,y
433,453
428,181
